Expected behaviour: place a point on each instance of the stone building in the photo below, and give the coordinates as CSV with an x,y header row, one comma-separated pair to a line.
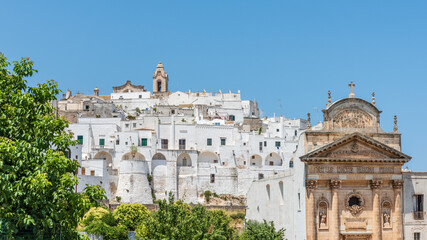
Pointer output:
x,y
349,171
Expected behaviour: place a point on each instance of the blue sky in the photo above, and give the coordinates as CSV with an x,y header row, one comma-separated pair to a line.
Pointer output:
x,y
285,54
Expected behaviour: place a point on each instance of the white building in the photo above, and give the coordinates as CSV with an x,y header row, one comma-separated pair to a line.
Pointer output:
x,y
181,142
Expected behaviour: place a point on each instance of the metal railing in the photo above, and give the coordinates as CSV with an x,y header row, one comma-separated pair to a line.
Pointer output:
x,y
418,215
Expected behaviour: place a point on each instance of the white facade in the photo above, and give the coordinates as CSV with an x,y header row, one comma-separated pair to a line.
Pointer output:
x,y
414,198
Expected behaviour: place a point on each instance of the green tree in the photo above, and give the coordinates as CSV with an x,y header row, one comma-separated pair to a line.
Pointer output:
x,y
37,180
262,231
131,215
176,220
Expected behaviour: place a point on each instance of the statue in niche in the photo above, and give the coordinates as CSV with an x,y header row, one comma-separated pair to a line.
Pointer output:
x,y
322,216
386,219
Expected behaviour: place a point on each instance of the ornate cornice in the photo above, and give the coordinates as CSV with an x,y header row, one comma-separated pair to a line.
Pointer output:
x,y
376,184
334,183
311,184
397,184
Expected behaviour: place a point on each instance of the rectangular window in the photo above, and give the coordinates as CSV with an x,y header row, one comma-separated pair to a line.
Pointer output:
x,y
271,163
101,142
277,144
209,142
417,236
165,144
80,139
143,142
134,125
92,172
260,146
223,141
260,176
419,207
181,144
127,125
212,178
87,107
277,130
117,142
265,143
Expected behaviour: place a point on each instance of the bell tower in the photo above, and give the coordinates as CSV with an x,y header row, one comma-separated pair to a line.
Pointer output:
x,y
160,80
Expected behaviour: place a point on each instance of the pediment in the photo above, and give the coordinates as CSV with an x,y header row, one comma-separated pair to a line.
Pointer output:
x,y
355,148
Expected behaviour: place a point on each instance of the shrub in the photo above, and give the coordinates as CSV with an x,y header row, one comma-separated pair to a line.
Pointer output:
x,y
262,230
208,195
118,198
94,214
238,215
131,215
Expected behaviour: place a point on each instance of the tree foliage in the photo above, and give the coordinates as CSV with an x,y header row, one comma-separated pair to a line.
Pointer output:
x,y
176,220
131,215
37,183
262,231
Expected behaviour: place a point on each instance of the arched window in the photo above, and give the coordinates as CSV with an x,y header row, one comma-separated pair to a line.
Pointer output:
x,y
159,86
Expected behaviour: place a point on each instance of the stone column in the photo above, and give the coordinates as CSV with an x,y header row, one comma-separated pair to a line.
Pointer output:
x,y
398,223
334,220
376,208
310,209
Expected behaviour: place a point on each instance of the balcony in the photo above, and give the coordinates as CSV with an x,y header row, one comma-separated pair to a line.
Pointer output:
x,y
418,215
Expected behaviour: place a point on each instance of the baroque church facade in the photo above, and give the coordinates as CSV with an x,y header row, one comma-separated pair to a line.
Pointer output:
x,y
351,174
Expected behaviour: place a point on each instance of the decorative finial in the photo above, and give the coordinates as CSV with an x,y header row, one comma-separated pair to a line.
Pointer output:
x,y
351,85
395,129
373,98
329,96
308,121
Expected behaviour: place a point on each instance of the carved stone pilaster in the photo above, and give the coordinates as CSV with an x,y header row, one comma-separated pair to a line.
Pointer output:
x,y
376,184
397,184
311,184
334,183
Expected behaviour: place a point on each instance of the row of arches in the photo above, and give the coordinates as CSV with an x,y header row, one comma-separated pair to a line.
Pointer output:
x,y
184,159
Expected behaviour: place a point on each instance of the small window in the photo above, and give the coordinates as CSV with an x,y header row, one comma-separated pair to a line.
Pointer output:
x,y
223,141
126,125
217,124
260,146
172,111
126,143
77,156
143,142
419,207
209,142
117,142
101,142
277,144
232,118
260,176
140,96
271,163
134,124
277,130
92,172
265,143
291,164
212,178
417,236
244,162
87,107
215,160
83,171
80,139
181,144
296,132
165,143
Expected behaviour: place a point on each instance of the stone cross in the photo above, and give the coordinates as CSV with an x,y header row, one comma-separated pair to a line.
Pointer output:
x,y
351,85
